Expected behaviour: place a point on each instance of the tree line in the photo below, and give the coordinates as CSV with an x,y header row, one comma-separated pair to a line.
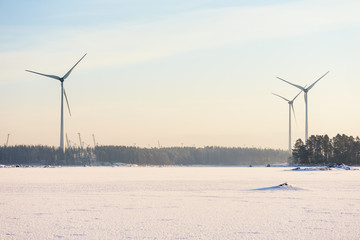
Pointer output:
x,y
44,155
320,149
189,155
107,155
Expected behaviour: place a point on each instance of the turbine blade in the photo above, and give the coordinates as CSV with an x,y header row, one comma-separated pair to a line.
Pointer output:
x,y
296,96
46,75
300,87
292,107
67,102
312,85
281,97
68,73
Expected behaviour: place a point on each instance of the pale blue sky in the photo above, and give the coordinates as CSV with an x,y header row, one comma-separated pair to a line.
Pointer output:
x,y
191,72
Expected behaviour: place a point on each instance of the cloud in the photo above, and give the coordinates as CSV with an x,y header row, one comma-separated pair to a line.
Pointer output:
x,y
137,41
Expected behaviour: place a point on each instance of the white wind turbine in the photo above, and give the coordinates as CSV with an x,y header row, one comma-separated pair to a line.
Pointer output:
x,y
305,90
291,106
63,93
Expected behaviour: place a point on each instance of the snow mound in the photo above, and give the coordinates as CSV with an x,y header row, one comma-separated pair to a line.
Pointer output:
x,y
312,169
327,168
283,187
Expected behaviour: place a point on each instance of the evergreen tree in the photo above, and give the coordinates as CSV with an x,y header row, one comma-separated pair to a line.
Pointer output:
x,y
323,150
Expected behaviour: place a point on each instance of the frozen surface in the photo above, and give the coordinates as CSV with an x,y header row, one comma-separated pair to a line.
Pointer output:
x,y
326,168
178,203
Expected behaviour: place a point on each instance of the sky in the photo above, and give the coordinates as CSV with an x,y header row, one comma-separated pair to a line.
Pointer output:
x,y
178,72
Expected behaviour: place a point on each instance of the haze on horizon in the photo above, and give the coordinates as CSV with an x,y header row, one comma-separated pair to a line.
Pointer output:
x,y
182,72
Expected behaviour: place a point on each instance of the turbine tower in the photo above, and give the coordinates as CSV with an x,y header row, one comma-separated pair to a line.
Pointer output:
x,y
291,106
63,93
305,90
94,140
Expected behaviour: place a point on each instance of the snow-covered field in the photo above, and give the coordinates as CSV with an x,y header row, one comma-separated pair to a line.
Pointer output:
x,y
178,203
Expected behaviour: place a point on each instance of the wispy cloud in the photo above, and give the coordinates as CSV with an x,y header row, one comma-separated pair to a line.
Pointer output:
x,y
137,41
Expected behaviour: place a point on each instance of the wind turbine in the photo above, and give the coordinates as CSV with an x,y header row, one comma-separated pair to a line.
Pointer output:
x,y
94,140
291,106
7,140
63,93
81,143
305,90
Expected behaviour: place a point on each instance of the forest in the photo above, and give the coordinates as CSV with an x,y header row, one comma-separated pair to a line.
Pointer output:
x,y
321,150
318,150
109,155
